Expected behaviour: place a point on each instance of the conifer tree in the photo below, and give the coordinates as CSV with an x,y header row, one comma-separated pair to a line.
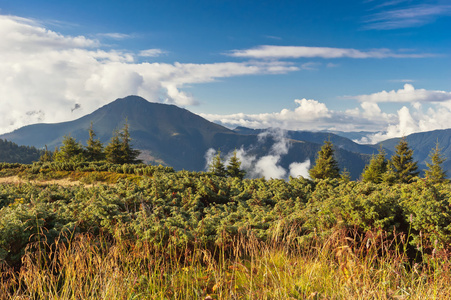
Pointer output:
x,y
113,151
46,156
119,150
71,150
435,172
375,170
401,167
129,155
55,153
94,148
325,165
234,167
217,166
345,175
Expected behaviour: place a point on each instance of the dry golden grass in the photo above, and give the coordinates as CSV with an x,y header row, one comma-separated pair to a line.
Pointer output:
x,y
338,268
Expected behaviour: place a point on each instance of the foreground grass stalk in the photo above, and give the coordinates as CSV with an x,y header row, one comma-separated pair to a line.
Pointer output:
x,y
337,268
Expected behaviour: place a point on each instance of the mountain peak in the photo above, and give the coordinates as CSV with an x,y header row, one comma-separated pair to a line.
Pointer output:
x,y
131,99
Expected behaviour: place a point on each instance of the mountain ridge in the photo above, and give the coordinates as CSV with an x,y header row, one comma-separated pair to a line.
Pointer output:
x,y
173,136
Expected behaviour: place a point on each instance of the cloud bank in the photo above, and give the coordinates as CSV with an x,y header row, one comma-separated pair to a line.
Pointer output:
x,y
314,115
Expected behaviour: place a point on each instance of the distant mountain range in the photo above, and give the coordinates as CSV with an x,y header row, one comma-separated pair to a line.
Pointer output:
x,y
172,136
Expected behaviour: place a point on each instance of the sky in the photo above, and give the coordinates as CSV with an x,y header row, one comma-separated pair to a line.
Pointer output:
x,y
381,66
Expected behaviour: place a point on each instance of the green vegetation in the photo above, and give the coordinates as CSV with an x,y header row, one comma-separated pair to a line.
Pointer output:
x,y
401,167
71,150
216,166
326,165
134,231
94,148
435,172
118,151
234,167
155,233
376,169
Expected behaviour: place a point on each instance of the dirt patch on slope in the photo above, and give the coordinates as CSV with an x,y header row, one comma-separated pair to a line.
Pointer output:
x,y
62,182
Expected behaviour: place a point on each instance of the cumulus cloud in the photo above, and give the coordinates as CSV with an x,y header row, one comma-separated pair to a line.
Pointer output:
x,y
300,169
279,52
42,70
412,120
308,115
314,115
306,112
406,94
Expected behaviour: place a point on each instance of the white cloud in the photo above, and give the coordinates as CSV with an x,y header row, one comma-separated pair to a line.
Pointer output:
x,y
311,66
314,115
47,72
300,169
151,52
267,166
115,35
406,94
413,16
26,36
279,52
307,114
414,120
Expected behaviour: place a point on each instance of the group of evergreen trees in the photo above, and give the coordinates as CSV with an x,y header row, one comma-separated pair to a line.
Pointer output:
x,y
233,168
118,151
401,168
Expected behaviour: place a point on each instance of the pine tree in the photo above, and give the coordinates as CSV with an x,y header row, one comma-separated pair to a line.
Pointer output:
x,y
55,153
46,156
71,150
94,148
325,165
375,170
234,167
130,155
401,165
119,150
345,175
113,151
217,166
435,172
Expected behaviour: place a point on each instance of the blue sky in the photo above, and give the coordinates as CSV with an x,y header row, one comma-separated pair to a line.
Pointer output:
x,y
373,65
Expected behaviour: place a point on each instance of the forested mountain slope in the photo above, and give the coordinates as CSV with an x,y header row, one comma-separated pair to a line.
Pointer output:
x,y
12,153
